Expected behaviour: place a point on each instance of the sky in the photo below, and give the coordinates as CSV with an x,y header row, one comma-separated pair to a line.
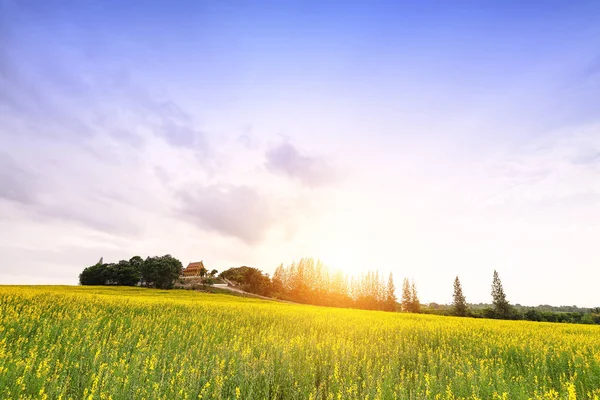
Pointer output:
x,y
426,139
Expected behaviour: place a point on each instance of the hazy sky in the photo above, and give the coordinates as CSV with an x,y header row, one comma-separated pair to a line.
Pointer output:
x,y
430,139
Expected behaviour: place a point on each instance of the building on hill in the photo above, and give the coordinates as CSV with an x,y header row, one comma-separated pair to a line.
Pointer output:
x,y
194,269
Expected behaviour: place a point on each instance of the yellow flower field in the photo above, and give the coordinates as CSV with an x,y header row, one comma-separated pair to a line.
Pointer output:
x,y
133,343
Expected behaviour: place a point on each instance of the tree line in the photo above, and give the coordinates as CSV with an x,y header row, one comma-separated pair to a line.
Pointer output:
x,y
309,281
160,272
502,309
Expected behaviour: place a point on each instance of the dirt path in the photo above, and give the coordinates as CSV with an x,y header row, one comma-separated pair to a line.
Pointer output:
x,y
232,288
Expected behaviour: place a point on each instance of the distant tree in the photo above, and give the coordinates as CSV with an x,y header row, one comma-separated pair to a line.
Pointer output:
x,y
414,299
587,319
161,272
277,282
257,282
372,292
136,262
250,279
214,272
110,274
501,306
488,312
300,278
533,315
459,303
338,289
390,295
125,273
406,296
94,275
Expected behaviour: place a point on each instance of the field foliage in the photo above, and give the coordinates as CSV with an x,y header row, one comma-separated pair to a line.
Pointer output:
x,y
132,343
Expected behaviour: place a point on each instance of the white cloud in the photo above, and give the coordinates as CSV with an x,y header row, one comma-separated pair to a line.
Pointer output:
x,y
310,170
559,168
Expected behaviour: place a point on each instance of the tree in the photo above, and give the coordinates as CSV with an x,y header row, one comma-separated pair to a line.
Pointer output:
x,y
161,272
136,262
277,282
533,315
380,291
415,304
300,290
459,304
250,279
125,273
257,282
214,272
390,295
501,306
406,296
93,275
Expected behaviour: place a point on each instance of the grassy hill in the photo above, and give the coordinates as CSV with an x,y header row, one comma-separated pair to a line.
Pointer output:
x,y
128,343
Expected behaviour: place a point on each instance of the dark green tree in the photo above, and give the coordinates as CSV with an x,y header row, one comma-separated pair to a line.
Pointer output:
x,y
390,295
533,315
136,262
125,273
214,272
110,274
501,306
459,304
94,275
161,272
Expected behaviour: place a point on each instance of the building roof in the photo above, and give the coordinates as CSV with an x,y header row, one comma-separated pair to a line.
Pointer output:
x,y
194,265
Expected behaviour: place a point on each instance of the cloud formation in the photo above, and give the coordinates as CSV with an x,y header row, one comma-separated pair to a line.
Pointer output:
x,y
15,183
560,167
63,93
238,211
309,170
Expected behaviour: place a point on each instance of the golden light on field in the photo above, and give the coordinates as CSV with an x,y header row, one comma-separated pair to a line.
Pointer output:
x,y
123,343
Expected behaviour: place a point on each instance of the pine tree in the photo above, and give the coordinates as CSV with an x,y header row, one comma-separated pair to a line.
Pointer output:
x,y
501,305
406,296
460,303
415,304
390,296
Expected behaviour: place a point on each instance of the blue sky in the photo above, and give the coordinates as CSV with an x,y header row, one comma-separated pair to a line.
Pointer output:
x,y
428,139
